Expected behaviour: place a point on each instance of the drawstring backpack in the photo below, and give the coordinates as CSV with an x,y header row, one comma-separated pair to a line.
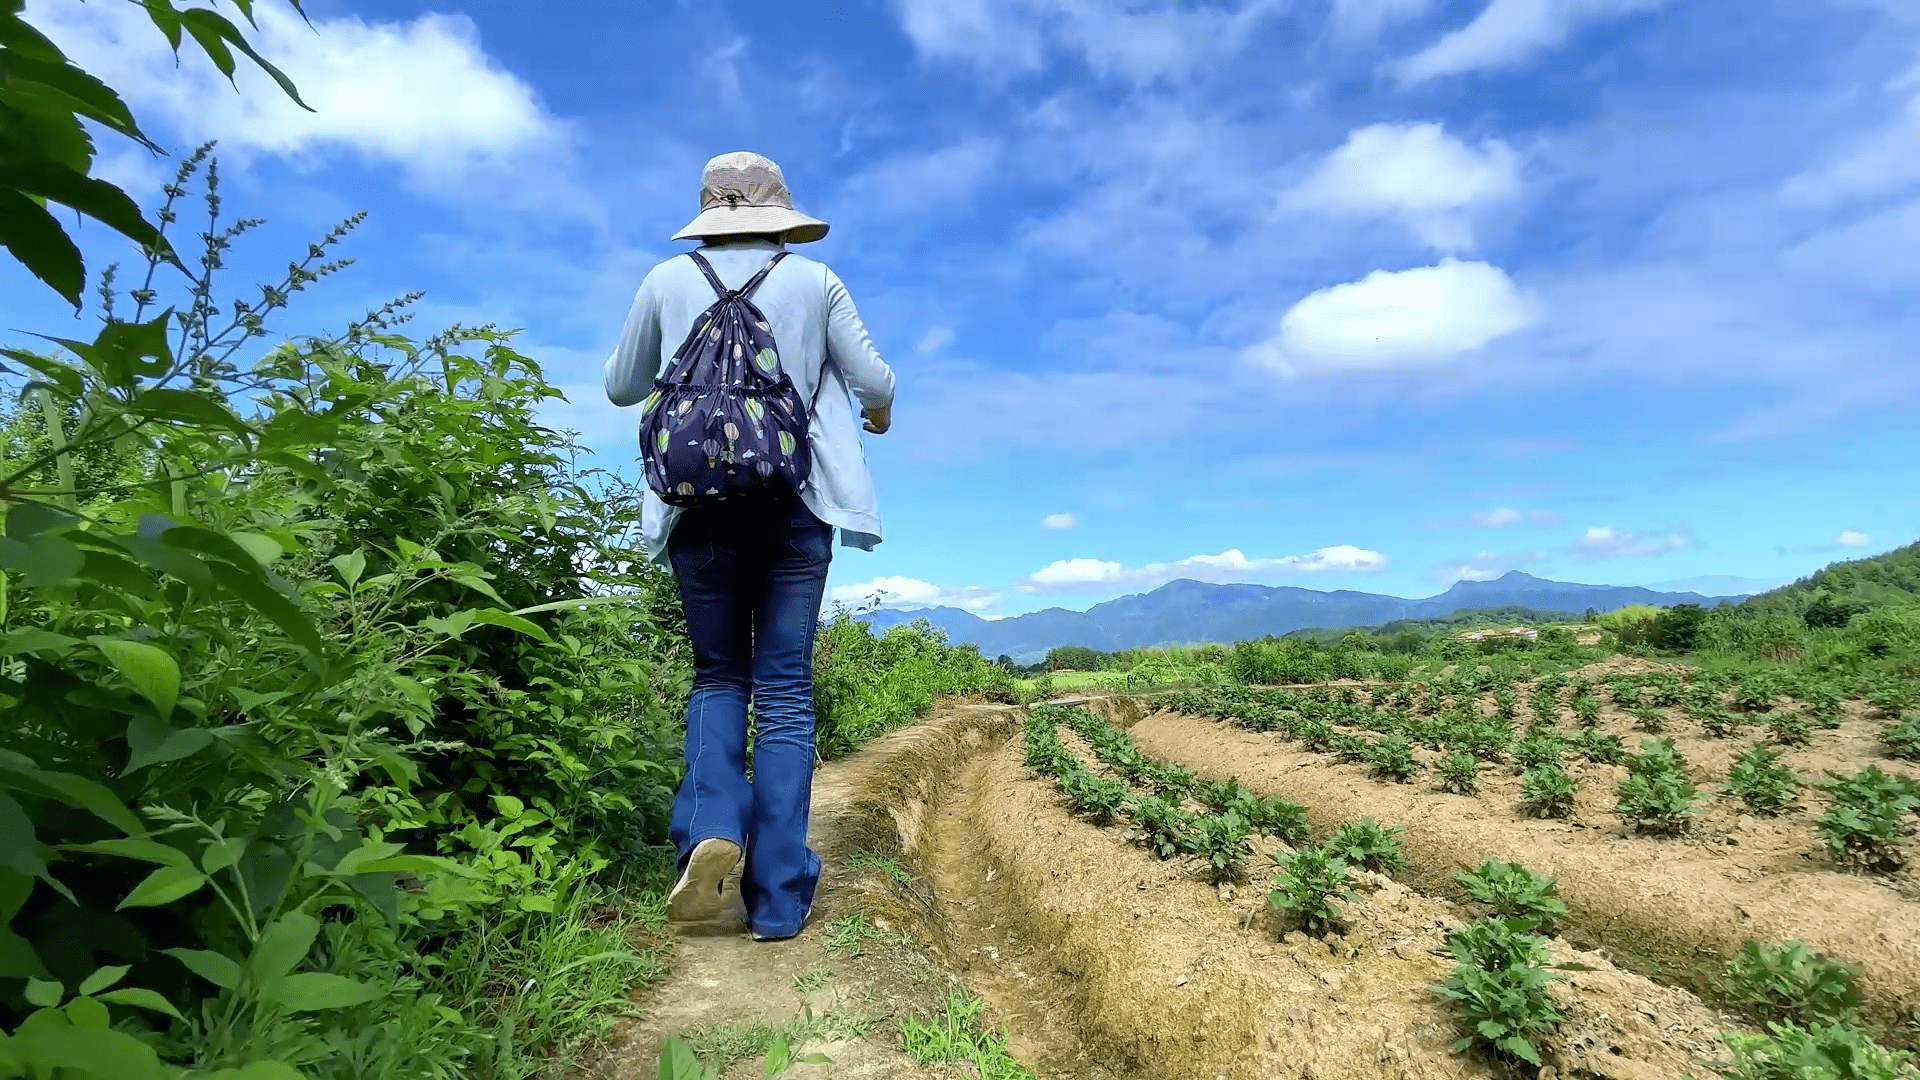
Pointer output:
x,y
724,421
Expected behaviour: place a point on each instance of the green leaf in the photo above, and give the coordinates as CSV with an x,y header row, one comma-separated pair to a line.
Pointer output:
x,y
151,671
260,1070
209,38
96,199
201,22
312,991
349,566
82,92
152,742
61,376
222,854
88,795
583,602
164,886
167,19
101,979
496,617
141,998
87,1052
33,640
47,995
264,599
45,561
35,237
285,943
19,847
264,549
187,407
218,969
480,585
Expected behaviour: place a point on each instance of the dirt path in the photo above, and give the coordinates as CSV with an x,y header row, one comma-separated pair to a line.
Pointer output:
x,y
721,985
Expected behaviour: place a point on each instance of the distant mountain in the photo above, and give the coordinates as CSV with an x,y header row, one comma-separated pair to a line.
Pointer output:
x,y
1718,585
1189,612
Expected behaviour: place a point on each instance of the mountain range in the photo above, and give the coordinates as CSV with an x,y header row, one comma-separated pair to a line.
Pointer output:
x,y
1190,612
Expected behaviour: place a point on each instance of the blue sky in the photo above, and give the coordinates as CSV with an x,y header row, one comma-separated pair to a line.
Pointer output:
x,y
1369,294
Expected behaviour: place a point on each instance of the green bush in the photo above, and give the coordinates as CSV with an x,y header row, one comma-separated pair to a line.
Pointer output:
x,y
1764,784
1789,981
1547,791
1308,882
1368,844
1787,1051
348,611
1524,898
1867,820
1655,795
867,684
1391,756
1457,772
1903,739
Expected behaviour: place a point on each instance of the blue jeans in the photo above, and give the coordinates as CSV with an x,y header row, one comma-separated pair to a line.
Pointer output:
x,y
751,579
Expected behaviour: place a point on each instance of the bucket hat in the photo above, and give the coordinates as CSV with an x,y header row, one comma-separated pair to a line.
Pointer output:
x,y
745,193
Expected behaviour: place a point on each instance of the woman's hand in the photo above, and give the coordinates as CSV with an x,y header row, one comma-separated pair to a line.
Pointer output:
x,y
878,420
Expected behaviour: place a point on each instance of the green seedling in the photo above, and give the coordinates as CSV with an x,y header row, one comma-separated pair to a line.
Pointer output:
x,y
1547,791
1764,784
1368,844
1524,898
1867,820
1308,882
1391,757
1789,981
1902,739
1457,772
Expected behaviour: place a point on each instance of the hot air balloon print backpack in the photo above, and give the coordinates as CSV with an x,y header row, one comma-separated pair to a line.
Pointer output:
x,y
724,421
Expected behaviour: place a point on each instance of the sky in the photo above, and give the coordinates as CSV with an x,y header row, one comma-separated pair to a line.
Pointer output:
x,y
1339,294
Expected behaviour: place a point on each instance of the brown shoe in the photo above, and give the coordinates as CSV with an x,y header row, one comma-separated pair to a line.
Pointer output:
x,y
696,896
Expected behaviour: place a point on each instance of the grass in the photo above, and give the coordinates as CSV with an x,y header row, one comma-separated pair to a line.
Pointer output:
x,y
720,1045
956,1035
869,860
552,982
812,982
848,935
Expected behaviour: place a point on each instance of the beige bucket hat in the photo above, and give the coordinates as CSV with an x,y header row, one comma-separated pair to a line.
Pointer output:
x,y
745,193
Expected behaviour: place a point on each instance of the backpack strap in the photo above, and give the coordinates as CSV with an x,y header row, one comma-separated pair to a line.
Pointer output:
x,y
743,291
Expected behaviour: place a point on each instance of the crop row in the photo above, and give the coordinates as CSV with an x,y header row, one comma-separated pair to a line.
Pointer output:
x,y
1498,986
1863,825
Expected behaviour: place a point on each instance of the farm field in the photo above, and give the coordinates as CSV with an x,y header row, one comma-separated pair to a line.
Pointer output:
x,y
1087,881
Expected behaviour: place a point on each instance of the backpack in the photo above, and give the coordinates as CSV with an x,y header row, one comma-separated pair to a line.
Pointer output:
x,y
724,421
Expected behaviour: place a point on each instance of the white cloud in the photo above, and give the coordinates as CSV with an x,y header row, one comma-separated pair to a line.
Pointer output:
x,y
1487,565
1397,319
1417,173
1059,521
1366,18
906,592
1508,32
1850,538
1502,516
1602,542
1067,575
907,185
933,339
721,69
1141,42
1070,573
423,95
1886,159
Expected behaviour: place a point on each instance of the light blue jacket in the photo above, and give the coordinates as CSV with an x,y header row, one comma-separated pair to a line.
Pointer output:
x,y
823,346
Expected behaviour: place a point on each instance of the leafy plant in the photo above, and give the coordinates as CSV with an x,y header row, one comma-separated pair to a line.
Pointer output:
x,y
1790,728
1539,748
1308,881
957,1035
1350,748
1586,710
1599,747
1458,772
1391,756
1099,797
1168,779
1761,781
1368,844
1655,795
1787,1051
1902,739
1648,718
1163,824
1505,1008
1789,981
1547,791
1496,943
1867,819
1521,896
1266,815
1221,841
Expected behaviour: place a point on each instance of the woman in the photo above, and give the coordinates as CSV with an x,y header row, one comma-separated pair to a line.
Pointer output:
x,y
751,575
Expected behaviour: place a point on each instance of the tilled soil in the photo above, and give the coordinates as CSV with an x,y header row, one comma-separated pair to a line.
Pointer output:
x,y
1165,975
1674,906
